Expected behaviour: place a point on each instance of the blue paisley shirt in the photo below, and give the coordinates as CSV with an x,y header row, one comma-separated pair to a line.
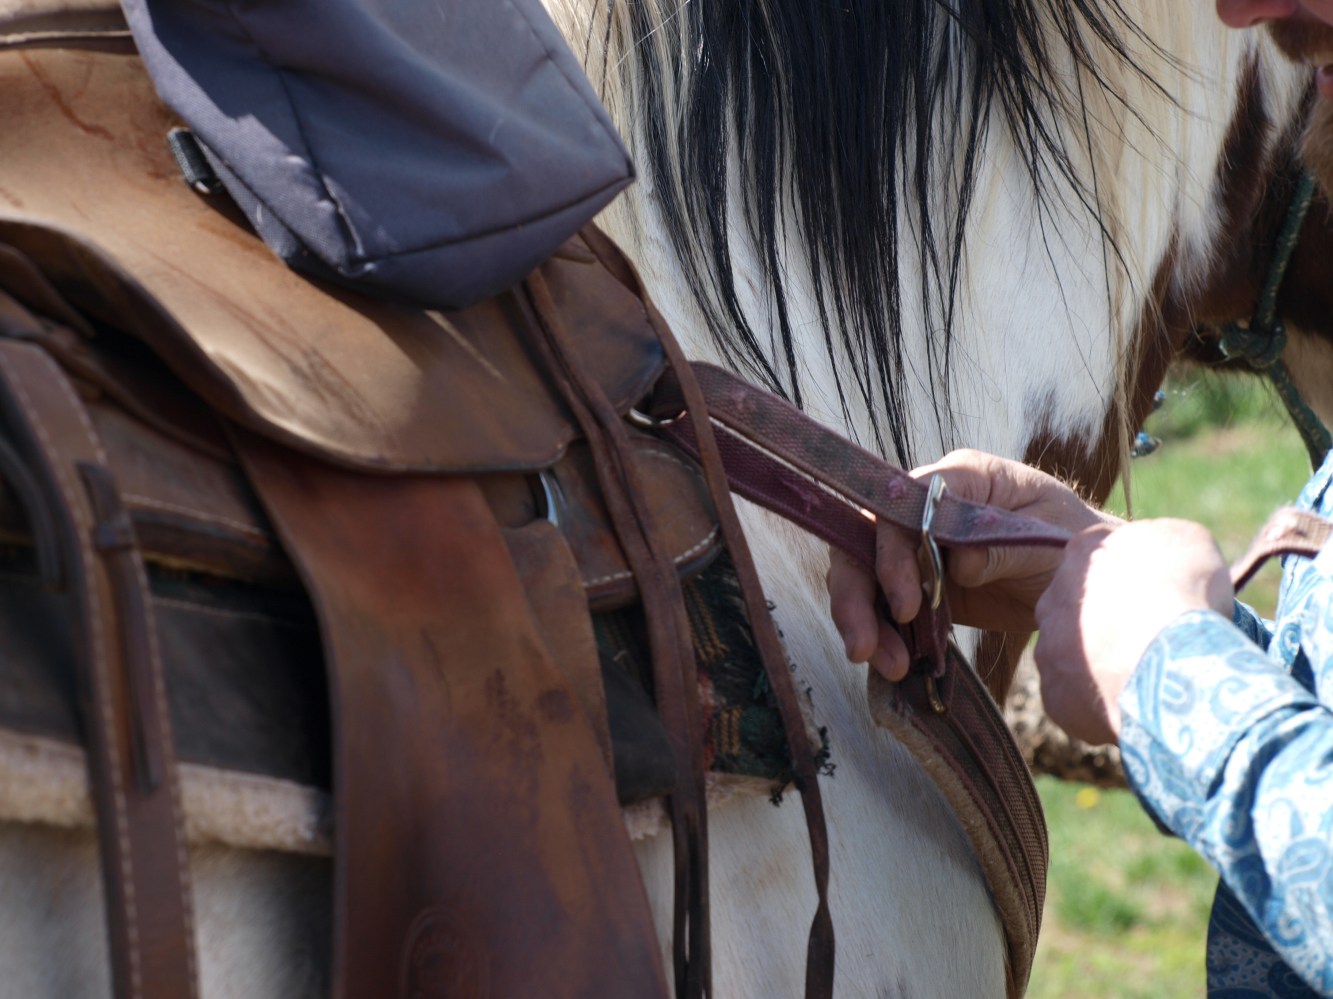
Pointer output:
x,y
1227,738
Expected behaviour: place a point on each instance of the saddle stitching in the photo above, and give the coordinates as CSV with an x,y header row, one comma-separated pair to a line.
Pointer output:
x,y
614,577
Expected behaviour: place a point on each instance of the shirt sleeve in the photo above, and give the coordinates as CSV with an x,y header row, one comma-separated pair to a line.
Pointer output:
x,y
1233,755
1255,628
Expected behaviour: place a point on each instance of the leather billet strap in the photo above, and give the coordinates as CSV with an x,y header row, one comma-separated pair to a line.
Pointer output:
x,y
480,849
779,458
1287,532
131,754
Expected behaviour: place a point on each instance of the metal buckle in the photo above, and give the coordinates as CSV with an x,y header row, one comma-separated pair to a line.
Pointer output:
x,y
647,422
932,565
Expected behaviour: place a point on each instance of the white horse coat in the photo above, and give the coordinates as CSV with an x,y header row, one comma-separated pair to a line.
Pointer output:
x,y
1044,324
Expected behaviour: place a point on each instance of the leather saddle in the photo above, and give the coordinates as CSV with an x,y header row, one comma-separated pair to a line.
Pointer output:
x,y
368,539
281,477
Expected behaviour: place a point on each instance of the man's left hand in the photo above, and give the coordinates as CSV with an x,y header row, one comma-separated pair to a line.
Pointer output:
x,y
1115,590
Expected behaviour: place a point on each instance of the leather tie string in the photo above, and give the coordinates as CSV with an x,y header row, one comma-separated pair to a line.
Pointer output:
x,y
820,950
675,677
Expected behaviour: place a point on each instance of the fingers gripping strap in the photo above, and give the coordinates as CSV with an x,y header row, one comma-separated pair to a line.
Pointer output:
x,y
130,750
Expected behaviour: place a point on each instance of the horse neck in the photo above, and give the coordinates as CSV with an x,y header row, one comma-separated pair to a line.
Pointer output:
x,y
1058,313
1180,156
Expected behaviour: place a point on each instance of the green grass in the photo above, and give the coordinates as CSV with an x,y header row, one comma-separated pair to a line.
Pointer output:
x,y
1228,475
1127,908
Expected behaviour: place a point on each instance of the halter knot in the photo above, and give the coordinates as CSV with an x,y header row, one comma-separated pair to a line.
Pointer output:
x,y
1259,348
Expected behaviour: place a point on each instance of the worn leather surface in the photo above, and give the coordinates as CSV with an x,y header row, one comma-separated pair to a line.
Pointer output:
x,y
30,23
358,380
467,777
193,509
349,383
244,672
203,532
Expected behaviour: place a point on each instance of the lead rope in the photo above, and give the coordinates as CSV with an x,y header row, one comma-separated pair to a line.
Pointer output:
x,y
1261,343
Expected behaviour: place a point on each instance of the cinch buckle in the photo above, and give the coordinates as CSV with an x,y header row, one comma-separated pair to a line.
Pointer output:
x,y
932,573
928,557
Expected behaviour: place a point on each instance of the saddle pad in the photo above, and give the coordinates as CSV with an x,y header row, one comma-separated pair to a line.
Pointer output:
x,y
356,380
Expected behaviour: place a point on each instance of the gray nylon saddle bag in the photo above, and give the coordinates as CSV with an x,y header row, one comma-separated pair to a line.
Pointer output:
x,y
433,151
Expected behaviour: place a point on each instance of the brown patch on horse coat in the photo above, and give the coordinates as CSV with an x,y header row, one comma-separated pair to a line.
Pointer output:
x,y
1253,192
1091,465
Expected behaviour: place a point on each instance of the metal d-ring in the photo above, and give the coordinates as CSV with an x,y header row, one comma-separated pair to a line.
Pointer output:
x,y
930,551
641,419
550,492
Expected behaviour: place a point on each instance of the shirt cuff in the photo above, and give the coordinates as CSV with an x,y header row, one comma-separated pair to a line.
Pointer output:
x,y
1199,687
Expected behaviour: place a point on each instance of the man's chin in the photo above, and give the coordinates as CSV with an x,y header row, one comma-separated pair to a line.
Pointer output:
x,y
1317,144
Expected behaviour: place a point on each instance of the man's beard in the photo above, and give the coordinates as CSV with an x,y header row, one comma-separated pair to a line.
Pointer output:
x,y
1311,44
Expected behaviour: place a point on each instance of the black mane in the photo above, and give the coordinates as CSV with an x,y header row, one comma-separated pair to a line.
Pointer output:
x,y
836,110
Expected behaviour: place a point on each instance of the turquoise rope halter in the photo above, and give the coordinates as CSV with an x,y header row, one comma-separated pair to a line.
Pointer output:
x,y
1261,342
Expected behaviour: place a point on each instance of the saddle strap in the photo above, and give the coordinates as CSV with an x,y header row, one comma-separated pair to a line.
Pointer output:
x,y
131,755
778,457
767,441
820,945
480,850
1287,532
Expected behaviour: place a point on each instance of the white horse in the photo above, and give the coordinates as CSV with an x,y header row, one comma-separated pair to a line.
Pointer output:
x,y
996,278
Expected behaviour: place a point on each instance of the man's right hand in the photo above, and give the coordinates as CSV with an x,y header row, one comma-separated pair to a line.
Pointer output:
x,y
994,588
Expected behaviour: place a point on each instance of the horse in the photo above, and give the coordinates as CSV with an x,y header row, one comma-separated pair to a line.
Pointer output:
x,y
933,226
989,226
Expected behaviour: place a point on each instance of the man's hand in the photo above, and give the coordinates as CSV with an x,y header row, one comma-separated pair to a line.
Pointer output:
x,y
1115,590
987,587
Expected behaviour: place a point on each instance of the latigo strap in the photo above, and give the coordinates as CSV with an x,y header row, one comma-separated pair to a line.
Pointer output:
x,y
820,947
1287,532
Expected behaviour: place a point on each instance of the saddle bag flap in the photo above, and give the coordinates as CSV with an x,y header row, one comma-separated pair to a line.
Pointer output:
x,y
457,151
